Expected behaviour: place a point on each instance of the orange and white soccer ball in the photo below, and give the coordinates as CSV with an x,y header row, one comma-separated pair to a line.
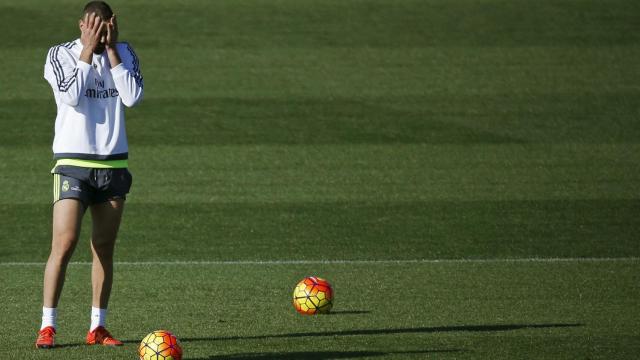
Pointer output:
x,y
313,295
160,345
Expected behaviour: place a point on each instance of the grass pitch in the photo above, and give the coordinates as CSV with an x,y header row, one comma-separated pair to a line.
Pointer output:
x,y
494,309
498,136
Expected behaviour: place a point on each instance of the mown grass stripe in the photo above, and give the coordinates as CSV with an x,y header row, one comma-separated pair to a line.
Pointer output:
x,y
320,262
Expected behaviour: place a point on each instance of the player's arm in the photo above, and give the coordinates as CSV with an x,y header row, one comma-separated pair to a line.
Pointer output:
x,y
125,67
68,77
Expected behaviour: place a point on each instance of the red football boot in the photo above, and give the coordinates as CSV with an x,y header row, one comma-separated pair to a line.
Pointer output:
x,y
102,337
45,338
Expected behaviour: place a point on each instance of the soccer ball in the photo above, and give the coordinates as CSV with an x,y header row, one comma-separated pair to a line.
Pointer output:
x,y
313,295
160,345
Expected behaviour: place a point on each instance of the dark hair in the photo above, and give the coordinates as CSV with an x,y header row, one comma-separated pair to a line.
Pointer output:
x,y
101,9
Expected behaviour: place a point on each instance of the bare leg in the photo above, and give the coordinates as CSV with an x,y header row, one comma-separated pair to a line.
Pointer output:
x,y
106,222
67,218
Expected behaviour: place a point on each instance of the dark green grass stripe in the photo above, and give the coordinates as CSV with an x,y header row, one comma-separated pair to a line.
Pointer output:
x,y
275,262
352,231
308,24
436,119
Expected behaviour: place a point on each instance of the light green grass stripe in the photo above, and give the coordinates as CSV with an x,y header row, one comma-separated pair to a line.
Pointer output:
x,y
347,262
271,174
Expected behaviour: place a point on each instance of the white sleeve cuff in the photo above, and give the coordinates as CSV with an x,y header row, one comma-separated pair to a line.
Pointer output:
x,y
118,70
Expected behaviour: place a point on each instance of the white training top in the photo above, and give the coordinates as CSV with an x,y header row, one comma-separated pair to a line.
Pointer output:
x,y
90,122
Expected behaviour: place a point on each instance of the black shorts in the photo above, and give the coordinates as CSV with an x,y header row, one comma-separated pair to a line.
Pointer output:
x,y
89,185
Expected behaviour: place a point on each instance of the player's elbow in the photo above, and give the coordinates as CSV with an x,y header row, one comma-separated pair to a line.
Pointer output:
x,y
70,99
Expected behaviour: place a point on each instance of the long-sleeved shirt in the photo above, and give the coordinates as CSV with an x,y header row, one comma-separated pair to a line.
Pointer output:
x,y
91,99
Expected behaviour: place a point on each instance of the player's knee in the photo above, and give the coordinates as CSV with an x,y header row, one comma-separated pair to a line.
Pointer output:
x,y
62,252
64,241
103,247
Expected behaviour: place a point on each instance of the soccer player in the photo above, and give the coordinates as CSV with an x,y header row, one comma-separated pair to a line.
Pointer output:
x,y
93,78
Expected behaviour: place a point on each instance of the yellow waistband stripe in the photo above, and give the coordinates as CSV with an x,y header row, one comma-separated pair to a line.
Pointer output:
x,y
95,164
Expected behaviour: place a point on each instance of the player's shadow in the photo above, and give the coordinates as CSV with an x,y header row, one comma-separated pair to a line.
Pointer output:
x,y
317,355
326,355
416,330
